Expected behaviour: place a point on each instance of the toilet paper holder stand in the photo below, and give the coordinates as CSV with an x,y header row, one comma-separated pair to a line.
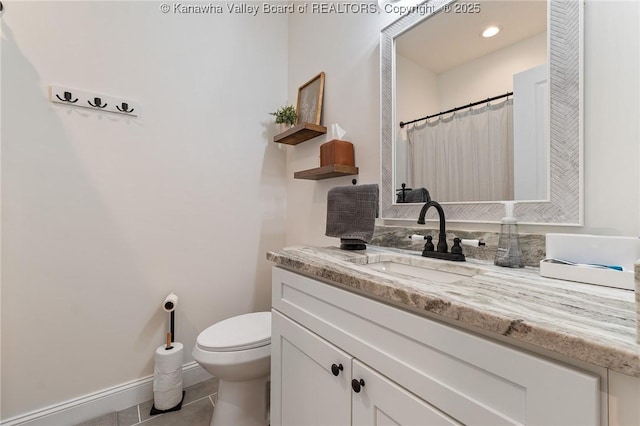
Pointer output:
x,y
169,305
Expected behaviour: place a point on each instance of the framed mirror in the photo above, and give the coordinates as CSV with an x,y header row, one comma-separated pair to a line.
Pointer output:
x,y
557,172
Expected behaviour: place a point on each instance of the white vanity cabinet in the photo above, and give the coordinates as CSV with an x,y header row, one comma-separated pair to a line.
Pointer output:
x,y
415,371
313,385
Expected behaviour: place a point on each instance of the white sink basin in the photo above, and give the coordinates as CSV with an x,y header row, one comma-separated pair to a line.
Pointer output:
x,y
417,267
395,268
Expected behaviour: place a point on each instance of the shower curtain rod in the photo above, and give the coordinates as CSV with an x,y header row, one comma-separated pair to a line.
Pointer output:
x,y
402,123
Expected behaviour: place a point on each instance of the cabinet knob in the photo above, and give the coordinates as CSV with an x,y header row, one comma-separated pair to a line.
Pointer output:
x,y
336,369
356,385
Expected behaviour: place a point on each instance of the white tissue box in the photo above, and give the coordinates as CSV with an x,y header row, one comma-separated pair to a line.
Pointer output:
x,y
592,249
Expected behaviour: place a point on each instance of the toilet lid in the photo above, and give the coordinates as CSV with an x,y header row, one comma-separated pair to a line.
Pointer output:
x,y
243,332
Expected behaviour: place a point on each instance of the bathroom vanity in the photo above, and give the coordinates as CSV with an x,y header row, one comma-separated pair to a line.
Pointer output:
x,y
384,335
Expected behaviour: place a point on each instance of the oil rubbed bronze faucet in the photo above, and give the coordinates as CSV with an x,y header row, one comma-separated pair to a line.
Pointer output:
x,y
442,251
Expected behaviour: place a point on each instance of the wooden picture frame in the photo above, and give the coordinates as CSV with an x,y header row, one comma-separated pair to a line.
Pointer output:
x,y
309,107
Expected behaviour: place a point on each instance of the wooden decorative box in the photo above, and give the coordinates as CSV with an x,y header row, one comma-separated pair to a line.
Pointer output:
x,y
337,152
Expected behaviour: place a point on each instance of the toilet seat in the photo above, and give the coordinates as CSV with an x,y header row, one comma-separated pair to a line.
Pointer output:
x,y
238,333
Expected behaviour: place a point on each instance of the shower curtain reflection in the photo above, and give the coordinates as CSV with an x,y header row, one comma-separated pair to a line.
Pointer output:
x,y
467,156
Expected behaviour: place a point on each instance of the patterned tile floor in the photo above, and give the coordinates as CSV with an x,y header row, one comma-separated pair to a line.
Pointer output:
x,y
197,410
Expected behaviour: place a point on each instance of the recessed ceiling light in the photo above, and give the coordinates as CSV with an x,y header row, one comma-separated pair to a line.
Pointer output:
x,y
490,31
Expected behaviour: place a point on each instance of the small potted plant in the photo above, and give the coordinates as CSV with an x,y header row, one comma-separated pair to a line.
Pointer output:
x,y
285,116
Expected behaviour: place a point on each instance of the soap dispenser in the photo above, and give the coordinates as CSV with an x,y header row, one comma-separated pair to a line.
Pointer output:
x,y
508,253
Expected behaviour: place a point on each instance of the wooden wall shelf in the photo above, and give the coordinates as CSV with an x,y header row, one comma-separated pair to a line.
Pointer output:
x,y
325,172
300,133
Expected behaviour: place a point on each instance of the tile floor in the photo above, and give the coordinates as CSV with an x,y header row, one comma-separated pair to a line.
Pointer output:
x,y
197,410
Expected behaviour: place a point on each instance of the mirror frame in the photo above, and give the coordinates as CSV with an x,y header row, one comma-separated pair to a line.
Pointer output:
x,y
565,203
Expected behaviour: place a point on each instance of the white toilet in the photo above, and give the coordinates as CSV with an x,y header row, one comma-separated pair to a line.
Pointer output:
x,y
238,352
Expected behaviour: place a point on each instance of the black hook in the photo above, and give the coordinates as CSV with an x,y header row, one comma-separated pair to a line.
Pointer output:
x,y
125,108
67,95
1,7
97,102
354,181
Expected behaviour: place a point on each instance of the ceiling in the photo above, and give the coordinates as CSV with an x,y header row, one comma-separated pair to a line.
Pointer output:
x,y
447,40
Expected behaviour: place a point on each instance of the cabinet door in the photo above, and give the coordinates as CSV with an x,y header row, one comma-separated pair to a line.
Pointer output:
x,y
381,402
310,378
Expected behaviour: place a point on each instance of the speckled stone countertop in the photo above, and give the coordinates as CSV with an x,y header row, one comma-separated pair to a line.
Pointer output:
x,y
590,323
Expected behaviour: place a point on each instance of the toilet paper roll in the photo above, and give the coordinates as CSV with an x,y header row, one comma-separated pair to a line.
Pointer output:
x,y
168,360
170,303
167,377
417,237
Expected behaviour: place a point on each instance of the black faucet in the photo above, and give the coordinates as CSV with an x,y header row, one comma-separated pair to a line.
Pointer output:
x,y
442,251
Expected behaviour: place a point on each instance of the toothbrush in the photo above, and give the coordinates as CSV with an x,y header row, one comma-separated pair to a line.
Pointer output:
x,y
590,265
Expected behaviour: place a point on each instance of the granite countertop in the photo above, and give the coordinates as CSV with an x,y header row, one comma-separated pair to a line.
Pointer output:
x,y
586,322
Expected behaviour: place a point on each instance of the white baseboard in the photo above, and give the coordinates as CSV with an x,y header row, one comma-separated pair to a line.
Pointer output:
x,y
96,404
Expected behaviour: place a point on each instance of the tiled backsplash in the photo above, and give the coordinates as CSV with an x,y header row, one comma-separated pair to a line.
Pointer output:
x,y
531,245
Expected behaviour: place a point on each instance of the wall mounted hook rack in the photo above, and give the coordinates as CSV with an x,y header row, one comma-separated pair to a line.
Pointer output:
x,y
93,101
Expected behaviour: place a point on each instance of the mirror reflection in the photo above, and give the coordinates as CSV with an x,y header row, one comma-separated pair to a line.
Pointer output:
x,y
487,99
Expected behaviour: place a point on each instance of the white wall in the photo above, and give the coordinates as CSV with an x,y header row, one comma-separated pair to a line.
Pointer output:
x,y
417,90
612,108
104,215
492,74
349,54
345,47
481,78
417,94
